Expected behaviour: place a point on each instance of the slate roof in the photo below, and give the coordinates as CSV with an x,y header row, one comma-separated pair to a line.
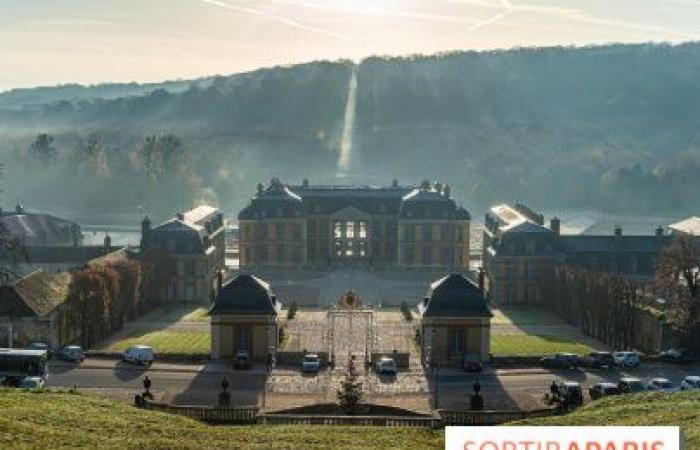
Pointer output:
x,y
245,295
37,226
525,226
39,293
609,244
454,296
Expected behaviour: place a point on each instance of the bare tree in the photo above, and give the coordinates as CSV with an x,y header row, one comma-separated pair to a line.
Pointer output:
x,y
42,148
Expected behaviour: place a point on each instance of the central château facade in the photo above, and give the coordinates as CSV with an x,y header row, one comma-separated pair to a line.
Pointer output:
x,y
324,226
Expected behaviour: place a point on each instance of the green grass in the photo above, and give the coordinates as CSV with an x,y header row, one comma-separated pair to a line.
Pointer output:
x,y
523,316
54,420
682,409
535,344
166,341
177,313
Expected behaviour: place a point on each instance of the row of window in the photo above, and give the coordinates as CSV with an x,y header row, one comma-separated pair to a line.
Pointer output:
x,y
429,232
445,256
263,254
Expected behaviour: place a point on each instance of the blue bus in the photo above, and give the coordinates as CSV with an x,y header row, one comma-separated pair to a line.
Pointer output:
x,y
16,364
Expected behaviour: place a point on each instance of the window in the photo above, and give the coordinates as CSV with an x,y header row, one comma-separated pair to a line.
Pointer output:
x,y
279,231
296,256
296,232
530,270
190,268
241,338
262,254
338,246
376,249
409,232
426,256
349,230
363,229
409,255
363,248
445,233
280,253
337,229
455,338
378,229
446,256
427,232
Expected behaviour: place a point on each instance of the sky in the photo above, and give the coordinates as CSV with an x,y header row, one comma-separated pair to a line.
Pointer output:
x,y
48,42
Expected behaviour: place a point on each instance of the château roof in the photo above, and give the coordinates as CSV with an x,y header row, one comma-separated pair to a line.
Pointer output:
x,y
454,296
245,295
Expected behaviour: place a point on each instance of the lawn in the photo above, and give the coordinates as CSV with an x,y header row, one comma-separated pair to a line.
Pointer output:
x,y
522,316
54,420
177,313
166,341
681,409
535,344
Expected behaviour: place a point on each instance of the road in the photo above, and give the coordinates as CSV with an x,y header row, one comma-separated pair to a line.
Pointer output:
x,y
184,385
199,385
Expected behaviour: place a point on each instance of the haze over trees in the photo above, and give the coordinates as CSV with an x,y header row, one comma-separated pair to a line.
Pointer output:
x,y
613,128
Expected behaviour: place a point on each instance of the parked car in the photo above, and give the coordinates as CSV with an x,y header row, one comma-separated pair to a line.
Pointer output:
x,y
139,354
631,385
241,360
31,383
571,393
311,363
73,353
690,382
600,390
385,366
626,359
471,363
40,346
676,356
661,384
560,361
598,360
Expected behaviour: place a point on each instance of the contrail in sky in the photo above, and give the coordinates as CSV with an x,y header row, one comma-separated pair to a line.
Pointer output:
x,y
284,20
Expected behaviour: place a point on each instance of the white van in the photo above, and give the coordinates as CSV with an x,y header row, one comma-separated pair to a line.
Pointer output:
x,y
139,354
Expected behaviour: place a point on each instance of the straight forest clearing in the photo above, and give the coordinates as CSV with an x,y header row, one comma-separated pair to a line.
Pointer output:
x,y
173,329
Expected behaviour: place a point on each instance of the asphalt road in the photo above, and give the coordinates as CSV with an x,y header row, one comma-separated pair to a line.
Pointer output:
x,y
184,387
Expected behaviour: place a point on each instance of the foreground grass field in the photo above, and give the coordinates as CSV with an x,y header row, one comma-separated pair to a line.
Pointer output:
x,y
535,344
68,421
682,409
167,341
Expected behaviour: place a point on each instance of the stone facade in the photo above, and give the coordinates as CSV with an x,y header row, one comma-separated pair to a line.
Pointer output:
x,y
520,254
325,226
195,243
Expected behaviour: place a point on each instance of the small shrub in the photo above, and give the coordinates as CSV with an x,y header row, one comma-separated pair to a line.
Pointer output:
x,y
406,310
292,311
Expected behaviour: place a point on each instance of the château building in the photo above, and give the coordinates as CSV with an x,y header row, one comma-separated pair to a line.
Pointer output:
x,y
520,253
195,244
324,226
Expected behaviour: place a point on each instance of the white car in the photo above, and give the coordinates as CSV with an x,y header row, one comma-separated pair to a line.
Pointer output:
x,y
139,354
627,359
31,383
385,366
661,384
311,363
690,382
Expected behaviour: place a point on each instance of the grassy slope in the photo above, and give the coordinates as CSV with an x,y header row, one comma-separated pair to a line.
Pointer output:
x,y
535,344
61,420
681,409
166,341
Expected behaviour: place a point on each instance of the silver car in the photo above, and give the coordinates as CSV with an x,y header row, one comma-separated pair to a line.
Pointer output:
x,y
691,382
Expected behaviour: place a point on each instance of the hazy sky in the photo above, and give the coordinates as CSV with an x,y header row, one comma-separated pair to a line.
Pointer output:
x,y
45,42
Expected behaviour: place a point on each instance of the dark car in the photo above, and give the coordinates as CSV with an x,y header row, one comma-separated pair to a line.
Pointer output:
x,y
598,360
600,390
571,393
676,356
241,360
72,353
471,363
631,385
40,346
560,361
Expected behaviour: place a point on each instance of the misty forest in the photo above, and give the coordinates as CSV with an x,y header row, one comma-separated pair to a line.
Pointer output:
x,y
610,128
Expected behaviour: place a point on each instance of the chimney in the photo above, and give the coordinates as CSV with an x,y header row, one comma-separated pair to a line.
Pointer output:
x,y
261,187
555,225
108,243
180,216
618,232
481,279
395,183
305,183
145,232
659,231
446,191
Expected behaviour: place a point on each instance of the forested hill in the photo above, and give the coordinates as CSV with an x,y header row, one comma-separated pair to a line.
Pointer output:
x,y
615,128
